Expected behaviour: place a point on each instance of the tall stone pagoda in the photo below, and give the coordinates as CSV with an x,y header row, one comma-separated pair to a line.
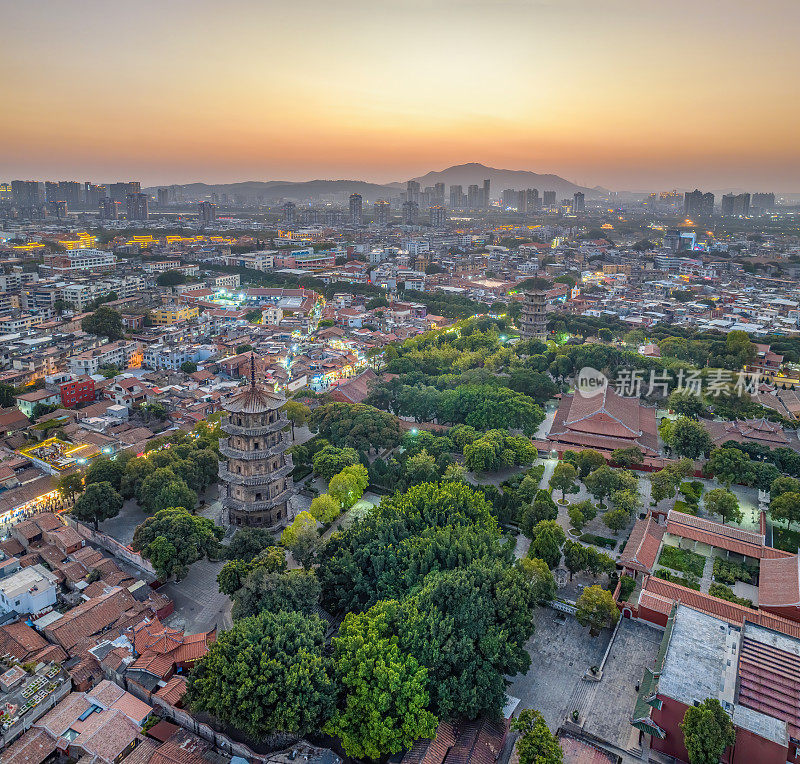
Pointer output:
x,y
256,479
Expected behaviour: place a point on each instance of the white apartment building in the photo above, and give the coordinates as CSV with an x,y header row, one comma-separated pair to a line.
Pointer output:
x,y
123,354
263,260
161,356
83,260
30,590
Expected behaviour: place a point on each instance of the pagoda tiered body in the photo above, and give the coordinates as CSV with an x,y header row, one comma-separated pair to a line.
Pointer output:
x,y
256,479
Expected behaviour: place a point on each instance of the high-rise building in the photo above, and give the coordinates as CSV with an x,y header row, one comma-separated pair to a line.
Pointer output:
x,y
51,191
70,192
92,195
6,194
533,315
474,197
136,206
532,201
578,202
163,198
549,198
356,215
438,216
456,198
410,213
698,204
412,191
763,202
119,191
438,190
255,478
290,213
108,208
383,212
522,202
58,209
206,212
486,198
735,205
509,198
27,192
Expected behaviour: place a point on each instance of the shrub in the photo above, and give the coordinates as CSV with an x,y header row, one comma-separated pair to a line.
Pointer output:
x,y
726,593
603,541
729,572
682,560
626,588
687,509
690,582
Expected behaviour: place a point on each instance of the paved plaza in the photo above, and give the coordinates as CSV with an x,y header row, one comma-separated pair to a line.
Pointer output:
x,y
561,651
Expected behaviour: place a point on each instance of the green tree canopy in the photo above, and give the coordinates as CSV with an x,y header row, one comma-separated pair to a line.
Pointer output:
x,y
325,508
301,538
190,537
98,502
263,589
547,539
596,609
104,322
536,744
707,731
248,543
721,501
384,696
103,470
356,425
390,550
469,627
267,673
330,460
563,479
540,579
170,278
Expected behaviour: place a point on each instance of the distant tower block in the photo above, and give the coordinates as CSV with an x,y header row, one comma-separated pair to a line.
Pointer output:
x,y
533,316
256,479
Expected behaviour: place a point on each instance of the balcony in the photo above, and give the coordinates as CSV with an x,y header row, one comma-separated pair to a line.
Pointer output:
x,y
236,453
232,477
265,429
257,506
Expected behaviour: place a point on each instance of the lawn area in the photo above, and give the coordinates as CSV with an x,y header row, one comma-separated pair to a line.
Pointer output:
x,y
682,560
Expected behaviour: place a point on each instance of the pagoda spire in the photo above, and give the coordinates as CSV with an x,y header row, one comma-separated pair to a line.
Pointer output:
x,y
252,370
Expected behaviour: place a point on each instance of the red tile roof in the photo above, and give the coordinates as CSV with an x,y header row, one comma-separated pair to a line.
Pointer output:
x,y
769,682
605,422
20,640
643,545
729,537
89,618
174,690
779,582
657,593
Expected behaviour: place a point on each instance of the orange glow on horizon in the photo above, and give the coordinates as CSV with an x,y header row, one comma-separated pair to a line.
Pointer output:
x,y
180,92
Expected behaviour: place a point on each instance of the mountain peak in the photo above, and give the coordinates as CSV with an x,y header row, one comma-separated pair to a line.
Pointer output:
x,y
474,173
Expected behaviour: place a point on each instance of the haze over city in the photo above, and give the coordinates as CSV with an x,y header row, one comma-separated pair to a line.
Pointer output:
x,y
623,94
400,382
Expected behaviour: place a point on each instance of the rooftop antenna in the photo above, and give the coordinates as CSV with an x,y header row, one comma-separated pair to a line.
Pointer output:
x,y
252,370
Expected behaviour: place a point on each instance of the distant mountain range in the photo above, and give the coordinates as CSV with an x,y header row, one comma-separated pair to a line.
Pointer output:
x,y
274,190
475,173
463,174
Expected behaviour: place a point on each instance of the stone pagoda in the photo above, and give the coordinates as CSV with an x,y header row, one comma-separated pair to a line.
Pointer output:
x,y
533,315
255,482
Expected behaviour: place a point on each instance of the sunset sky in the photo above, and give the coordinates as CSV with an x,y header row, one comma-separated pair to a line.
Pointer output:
x,y
630,94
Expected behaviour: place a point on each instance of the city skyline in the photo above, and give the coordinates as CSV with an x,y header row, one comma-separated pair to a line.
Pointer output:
x,y
625,96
